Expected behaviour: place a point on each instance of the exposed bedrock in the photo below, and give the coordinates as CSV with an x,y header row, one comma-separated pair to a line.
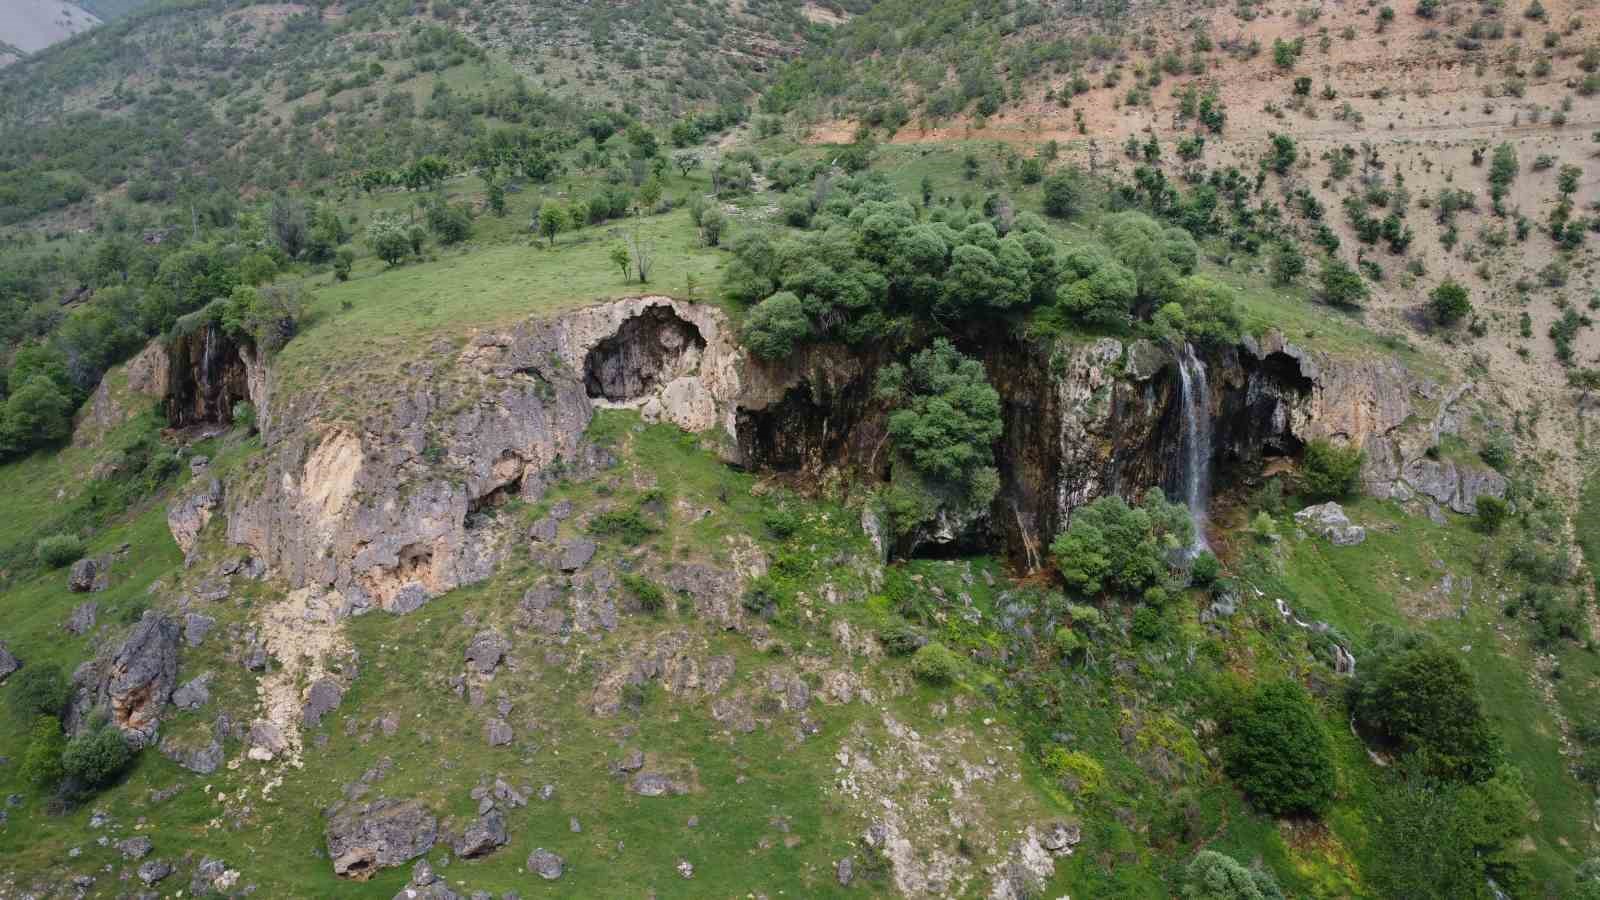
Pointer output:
x,y
398,508
209,373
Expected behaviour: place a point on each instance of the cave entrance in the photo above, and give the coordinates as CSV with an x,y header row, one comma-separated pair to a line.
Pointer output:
x,y
646,352
206,379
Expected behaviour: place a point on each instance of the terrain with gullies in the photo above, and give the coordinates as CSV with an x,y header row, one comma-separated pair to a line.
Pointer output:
x,y
480,448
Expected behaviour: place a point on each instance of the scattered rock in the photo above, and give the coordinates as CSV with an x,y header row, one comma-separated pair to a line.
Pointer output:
x,y
546,865
88,574
8,663
202,760
194,694
483,837
573,825
632,762
83,618
544,531
323,697
266,741
497,732
1059,837
198,464
409,598
575,554
547,792
381,834
685,868
207,877
213,590
135,848
656,784
1329,521
256,658
196,627
845,871
486,650
155,870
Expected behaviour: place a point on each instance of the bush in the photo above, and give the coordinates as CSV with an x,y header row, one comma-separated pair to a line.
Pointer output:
x,y
59,550
1205,569
651,598
1063,195
1342,285
39,690
1328,472
627,525
1492,513
1216,876
97,757
41,761
1280,753
1448,303
936,664
1418,697
1147,624
781,522
901,640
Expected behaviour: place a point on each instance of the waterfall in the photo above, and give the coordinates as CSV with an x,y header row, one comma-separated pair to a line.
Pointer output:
x,y
1196,442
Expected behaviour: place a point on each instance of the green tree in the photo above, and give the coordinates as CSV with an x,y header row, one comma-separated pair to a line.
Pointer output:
x,y
388,237
1328,472
552,221
1449,303
451,223
1280,753
1110,546
1216,876
1063,195
41,761
36,415
1435,839
1342,285
1503,169
946,420
1417,696
1492,513
1288,263
712,223
343,261
621,259
776,325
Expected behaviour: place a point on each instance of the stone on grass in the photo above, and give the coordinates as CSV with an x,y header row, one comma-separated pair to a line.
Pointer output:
x,y
381,834
155,870
8,663
483,836
575,554
83,618
323,698
1327,520
546,865
486,651
135,848
497,732
196,627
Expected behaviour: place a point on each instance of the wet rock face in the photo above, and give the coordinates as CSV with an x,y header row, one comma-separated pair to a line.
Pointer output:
x,y
207,377
649,351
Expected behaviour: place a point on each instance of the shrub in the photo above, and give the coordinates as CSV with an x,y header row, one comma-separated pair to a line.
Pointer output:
x,y
58,550
1418,697
1063,195
1086,773
1328,472
1216,876
41,761
1205,568
781,522
1342,285
1280,753
1147,624
901,639
651,598
629,526
1448,303
39,690
936,664
97,757
1492,512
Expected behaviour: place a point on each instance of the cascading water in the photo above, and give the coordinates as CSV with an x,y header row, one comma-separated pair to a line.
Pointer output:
x,y
1196,442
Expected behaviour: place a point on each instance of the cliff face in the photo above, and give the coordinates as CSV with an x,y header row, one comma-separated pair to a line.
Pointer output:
x,y
389,512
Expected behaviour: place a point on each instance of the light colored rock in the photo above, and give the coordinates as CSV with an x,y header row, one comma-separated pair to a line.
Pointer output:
x,y
1329,521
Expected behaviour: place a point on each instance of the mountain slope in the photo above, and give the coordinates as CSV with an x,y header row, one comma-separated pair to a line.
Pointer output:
x,y
32,25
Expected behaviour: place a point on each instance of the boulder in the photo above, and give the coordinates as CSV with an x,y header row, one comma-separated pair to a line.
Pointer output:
x,y
657,784
188,515
83,618
546,865
141,677
575,554
544,531
1328,520
196,627
385,833
194,693
88,574
155,870
266,741
8,663
135,848
497,733
201,760
323,697
483,837
486,650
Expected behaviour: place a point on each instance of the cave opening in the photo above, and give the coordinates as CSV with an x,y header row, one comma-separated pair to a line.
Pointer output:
x,y
1283,369
206,379
646,352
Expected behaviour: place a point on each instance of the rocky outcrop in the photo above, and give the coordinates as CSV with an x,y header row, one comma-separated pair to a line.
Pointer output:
x,y
189,514
90,574
1329,521
82,619
395,511
134,684
209,373
377,835
122,393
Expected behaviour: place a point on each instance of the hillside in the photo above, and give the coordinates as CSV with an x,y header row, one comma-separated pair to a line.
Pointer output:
x,y
29,26
491,449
